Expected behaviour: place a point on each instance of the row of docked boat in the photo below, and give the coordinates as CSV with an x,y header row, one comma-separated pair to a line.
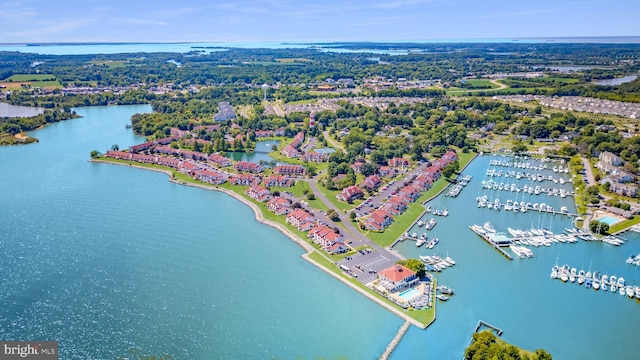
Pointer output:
x,y
521,175
517,164
457,188
595,280
443,293
510,205
634,260
437,212
581,234
436,263
531,190
539,237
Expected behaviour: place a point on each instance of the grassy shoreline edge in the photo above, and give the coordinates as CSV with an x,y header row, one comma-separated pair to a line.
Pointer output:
x,y
310,250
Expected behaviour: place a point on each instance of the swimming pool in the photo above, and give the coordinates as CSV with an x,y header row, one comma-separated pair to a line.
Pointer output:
x,y
609,220
409,294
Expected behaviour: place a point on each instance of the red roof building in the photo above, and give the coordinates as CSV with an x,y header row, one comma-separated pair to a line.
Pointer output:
x,y
399,162
350,193
245,179
397,277
279,205
278,181
259,193
289,170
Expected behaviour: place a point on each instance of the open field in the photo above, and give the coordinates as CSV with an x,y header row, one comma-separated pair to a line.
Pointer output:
x,y
111,64
482,82
12,85
31,77
292,60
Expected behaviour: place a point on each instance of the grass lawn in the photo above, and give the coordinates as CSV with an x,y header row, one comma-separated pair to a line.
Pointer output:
x,y
298,190
111,64
425,317
624,224
301,102
562,80
339,205
482,82
31,77
42,84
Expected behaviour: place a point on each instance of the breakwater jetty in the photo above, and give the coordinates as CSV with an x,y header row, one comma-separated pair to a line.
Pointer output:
x,y
395,341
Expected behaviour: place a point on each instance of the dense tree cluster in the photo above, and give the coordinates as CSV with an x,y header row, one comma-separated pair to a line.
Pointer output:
x,y
486,346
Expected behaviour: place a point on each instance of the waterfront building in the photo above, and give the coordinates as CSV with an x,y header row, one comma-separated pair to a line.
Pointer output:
x,y
168,161
245,179
259,193
116,154
210,176
301,220
409,193
378,220
327,238
397,277
395,206
279,205
141,147
263,134
219,160
290,152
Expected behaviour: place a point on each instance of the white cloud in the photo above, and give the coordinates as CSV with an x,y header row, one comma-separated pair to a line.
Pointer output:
x,y
136,21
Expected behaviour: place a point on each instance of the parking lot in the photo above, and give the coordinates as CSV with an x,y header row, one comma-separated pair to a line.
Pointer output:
x,y
365,265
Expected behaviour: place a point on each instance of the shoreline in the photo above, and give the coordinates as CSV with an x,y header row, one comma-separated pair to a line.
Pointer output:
x,y
306,246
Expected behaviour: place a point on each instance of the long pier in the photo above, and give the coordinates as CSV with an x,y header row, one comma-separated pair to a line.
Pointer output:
x,y
395,341
487,325
493,244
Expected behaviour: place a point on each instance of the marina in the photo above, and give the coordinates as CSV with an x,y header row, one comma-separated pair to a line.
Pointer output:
x,y
595,281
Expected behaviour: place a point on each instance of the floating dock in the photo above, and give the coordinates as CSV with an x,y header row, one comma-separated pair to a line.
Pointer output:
x,y
493,244
481,323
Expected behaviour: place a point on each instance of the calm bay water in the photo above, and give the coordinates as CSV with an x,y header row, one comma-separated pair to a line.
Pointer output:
x,y
534,311
9,110
261,152
112,261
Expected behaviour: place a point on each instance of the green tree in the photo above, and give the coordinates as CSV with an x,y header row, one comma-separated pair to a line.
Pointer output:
x,y
115,147
333,215
598,227
352,215
413,264
95,153
450,169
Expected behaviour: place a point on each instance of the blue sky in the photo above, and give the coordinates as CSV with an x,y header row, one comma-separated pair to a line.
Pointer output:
x,y
301,20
